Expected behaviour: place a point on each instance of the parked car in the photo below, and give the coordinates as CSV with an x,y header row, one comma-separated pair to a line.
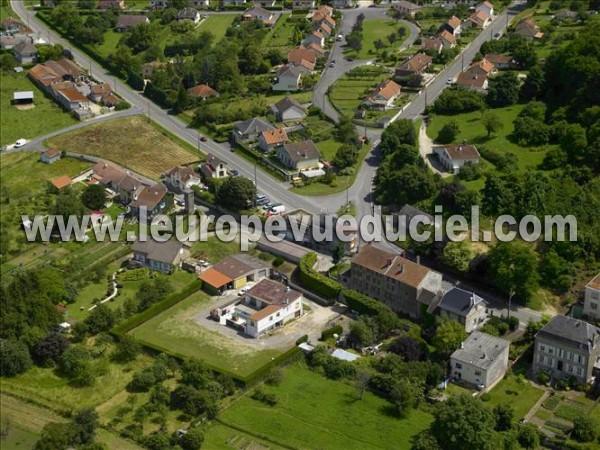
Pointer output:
x,y
449,81
234,172
277,209
20,143
242,291
204,139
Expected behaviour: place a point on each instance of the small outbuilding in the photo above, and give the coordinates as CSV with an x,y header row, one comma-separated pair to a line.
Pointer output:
x,y
22,98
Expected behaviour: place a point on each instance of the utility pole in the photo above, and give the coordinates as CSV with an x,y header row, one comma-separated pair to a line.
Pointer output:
x,y
512,293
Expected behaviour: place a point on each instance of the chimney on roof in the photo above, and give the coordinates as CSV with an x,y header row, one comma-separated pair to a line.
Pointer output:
x,y
389,262
419,259
401,268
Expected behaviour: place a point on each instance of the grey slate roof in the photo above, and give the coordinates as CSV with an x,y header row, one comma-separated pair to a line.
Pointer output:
x,y
286,103
567,329
254,125
25,47
480,349
299,151
165,252
411,212
459,301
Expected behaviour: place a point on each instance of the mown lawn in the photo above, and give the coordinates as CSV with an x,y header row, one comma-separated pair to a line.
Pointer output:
x,y
315,412
176,331
521,396
132,142
374,29
217,24
280,38
6,11
42,119
473,131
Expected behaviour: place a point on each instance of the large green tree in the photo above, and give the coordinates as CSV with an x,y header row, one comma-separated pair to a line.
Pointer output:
x,y
448,336
237,193
513,268
463,422
94,196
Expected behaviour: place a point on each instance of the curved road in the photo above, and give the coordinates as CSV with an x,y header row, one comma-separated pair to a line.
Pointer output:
x,y
360,191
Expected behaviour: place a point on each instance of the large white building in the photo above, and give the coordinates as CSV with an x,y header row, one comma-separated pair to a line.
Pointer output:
x,y
591,303
481,360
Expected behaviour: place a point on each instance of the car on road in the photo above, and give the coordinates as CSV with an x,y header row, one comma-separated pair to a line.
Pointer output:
x,y
20,143
234,172
340,37
498,35
204,139
450,81
332,64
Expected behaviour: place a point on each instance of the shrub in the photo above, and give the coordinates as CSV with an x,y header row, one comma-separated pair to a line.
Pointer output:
x,y
485,397
278,261
543,377
266,398
329,332
316,282
302,339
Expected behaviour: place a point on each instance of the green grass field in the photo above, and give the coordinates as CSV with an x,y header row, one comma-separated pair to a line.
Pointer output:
x,y
374,29
217,24
473,131
44,118
280,38
6,11
111,39
222,437
348,92
176,331
315,412
521,396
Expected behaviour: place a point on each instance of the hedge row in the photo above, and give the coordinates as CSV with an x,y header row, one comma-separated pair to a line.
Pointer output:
x,y
157,308
314,281
363,304
329,332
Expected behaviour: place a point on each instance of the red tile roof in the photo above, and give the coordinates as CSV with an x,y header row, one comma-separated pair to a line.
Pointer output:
x,y
202,91
61,182
215,278
277,136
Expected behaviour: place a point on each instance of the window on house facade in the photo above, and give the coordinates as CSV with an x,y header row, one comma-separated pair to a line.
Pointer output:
x,y
478,372
458,365
594,305
579,371
542,348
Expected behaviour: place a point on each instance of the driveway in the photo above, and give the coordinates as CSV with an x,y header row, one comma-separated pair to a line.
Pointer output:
x,y
426,149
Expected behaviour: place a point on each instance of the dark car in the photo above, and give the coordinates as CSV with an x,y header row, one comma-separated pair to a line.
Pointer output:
x,y
235,173
204,139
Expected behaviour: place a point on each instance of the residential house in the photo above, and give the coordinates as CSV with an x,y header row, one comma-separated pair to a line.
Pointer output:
x,y
265,3
406,8
528,29
591,302
432,46
482,67
101,93
480,361
213,167
260,14
52,72
486,7
272,305
164,257
107,174
25,52
409,214
158,4
189,14
8,42
303,4
289,78
152,199
341,4
453,157
315,37
566,347
126,21
325,29
199,3
405,286
383,97
202,91
180,178
148,69
413,67
299,155
61,182
465,307
70,98
11,25
303,57
448,39
500,61
320,223
472,81
317,49
271,139
128,188
234,272
249,130
288,109
323,15
107,4
452,25
479,19
50,156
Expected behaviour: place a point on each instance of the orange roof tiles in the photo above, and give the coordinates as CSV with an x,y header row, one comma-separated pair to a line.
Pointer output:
x,y
277,136
61,182
215,278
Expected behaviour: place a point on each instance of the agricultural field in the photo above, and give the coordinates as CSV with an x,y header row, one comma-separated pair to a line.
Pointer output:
x,y
46,116
315,412
149,150
517,392
176,331
374,29
473,131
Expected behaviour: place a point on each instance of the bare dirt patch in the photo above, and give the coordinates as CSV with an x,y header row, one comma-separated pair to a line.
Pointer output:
x,y
132,142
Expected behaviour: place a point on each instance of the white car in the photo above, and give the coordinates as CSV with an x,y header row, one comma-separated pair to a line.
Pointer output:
x,y
20,143
242,291
449,81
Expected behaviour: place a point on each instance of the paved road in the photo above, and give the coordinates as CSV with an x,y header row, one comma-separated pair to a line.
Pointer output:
x,y
342,66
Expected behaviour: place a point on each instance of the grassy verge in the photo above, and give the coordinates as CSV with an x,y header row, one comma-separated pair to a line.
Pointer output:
x,y
520,395
374,29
